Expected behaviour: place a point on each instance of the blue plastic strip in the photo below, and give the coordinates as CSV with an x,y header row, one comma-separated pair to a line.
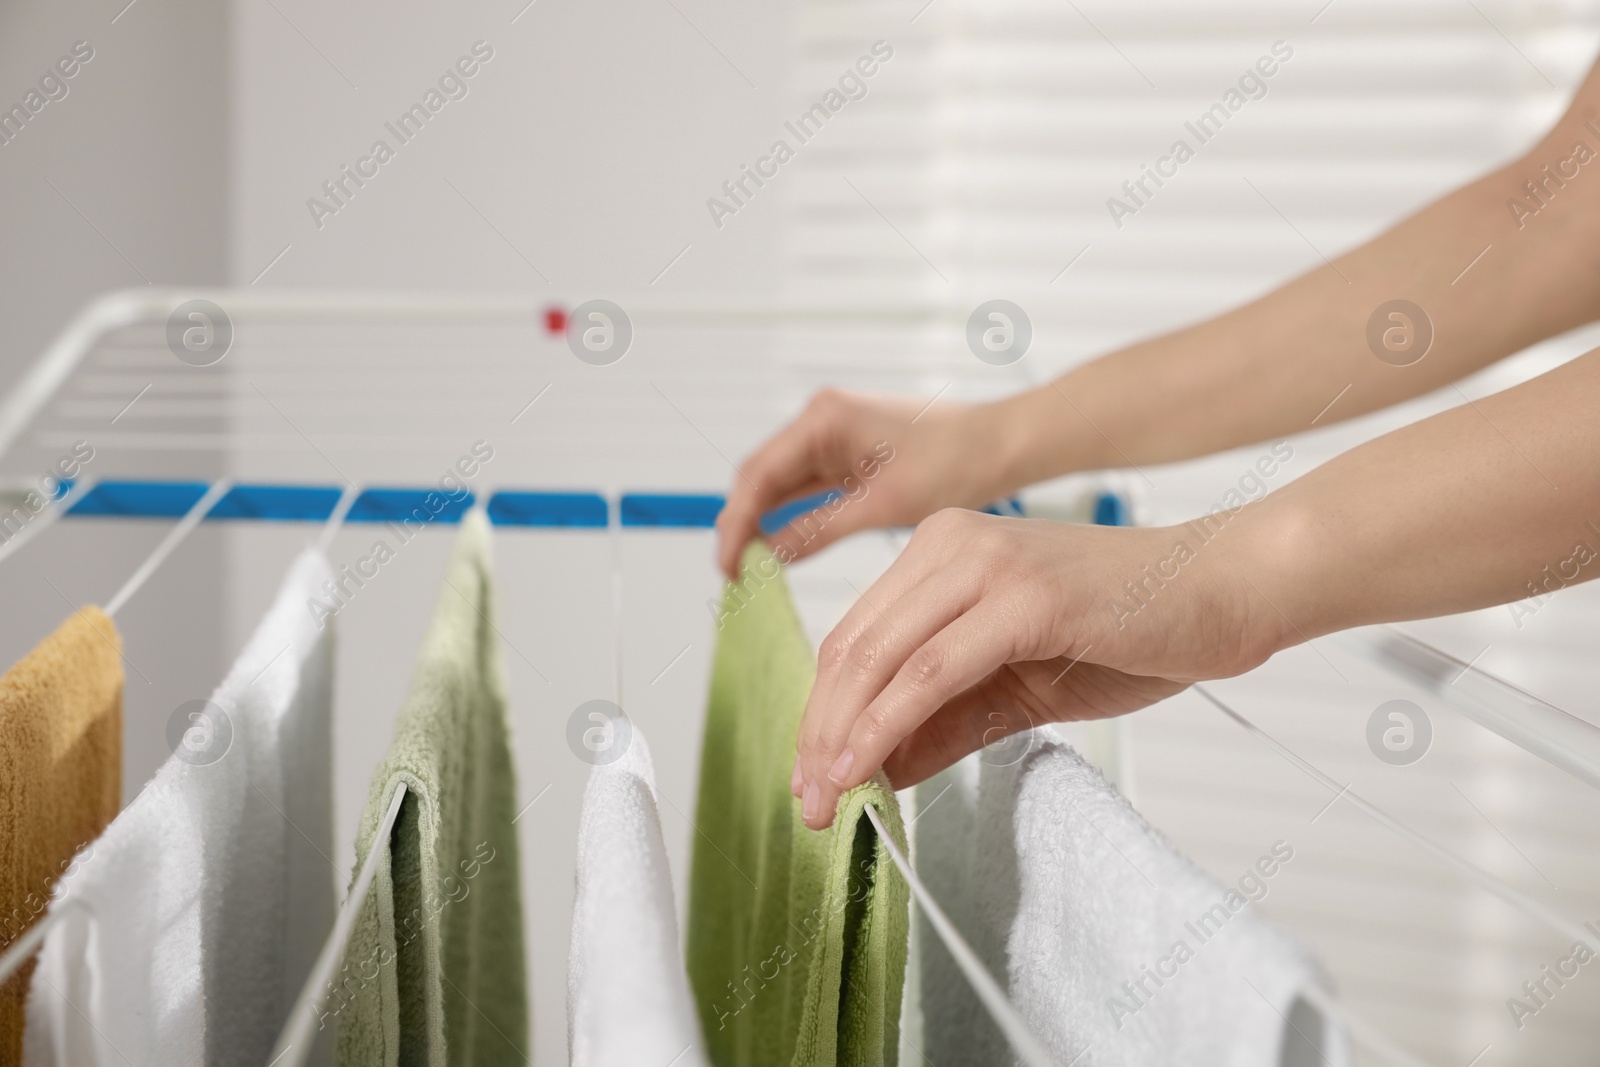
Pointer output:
x,y
695,510
549,509
315,503
399,505
1111,510
277,503
1010,507
778,518
143,500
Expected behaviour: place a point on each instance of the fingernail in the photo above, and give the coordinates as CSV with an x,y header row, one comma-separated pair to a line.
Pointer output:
x,y
796,779
841,767
812,801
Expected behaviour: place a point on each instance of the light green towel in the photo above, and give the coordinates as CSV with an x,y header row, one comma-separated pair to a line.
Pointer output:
x,y
434,972
797,940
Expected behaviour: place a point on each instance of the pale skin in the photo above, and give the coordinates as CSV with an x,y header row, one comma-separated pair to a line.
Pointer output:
x,y
966,636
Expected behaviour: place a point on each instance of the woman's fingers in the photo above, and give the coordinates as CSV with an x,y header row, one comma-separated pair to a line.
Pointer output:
x,y
860,668
949,663
785,468
841,441
854,509
1014,699
846,648
983,628
985,714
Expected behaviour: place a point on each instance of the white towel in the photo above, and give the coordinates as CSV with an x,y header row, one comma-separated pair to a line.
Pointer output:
x,y
193,920
628,999
1116,949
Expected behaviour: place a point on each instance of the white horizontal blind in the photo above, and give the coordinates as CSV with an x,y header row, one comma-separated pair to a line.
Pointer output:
x,y
981,160
979,165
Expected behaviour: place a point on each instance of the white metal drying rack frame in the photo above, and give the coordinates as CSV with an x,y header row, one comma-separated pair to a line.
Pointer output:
x,y
1525,720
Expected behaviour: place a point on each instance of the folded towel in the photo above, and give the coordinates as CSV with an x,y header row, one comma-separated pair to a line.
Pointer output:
x,y
60,777
628,997
193,920
1116,948
797,940
434,973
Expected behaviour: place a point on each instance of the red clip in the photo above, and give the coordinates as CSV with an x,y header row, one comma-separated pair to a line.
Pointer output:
x,y
555,321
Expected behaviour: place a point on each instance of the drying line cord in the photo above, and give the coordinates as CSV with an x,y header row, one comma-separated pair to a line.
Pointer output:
x,y
1364,1035
294,1042
25,946
174,537
336,517
1028,1047
46,518
615,523
1572,932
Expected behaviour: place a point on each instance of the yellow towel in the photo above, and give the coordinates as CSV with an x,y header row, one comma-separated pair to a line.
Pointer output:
x,y
60,777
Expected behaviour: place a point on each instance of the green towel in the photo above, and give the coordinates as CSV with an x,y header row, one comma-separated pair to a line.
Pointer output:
x,y
434,972
797,940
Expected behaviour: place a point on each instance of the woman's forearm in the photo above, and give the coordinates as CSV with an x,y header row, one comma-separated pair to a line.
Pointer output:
x,y
1055,622
1485,504
1301,356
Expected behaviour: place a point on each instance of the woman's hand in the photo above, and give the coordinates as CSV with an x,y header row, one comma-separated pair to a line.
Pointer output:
x,y
985,626
896,460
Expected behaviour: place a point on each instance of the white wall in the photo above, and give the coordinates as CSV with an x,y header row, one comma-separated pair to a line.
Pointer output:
x,y
140,146
589,141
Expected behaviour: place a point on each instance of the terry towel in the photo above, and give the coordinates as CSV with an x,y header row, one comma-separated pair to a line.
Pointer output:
x,y
60,777
628,999
434,972
797,940
194,919
1117,950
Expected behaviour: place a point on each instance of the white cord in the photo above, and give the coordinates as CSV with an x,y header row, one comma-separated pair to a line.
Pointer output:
x,y
1571,931
294,1042
1366,1036
49,515
1029,1048
615,522
25,946
174,537
336,517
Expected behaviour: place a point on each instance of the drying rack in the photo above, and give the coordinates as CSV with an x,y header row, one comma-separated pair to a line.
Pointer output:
x,y
1535,725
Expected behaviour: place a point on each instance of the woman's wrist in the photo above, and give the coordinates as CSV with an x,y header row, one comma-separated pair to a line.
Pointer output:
x,y
1256,579
1033,439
